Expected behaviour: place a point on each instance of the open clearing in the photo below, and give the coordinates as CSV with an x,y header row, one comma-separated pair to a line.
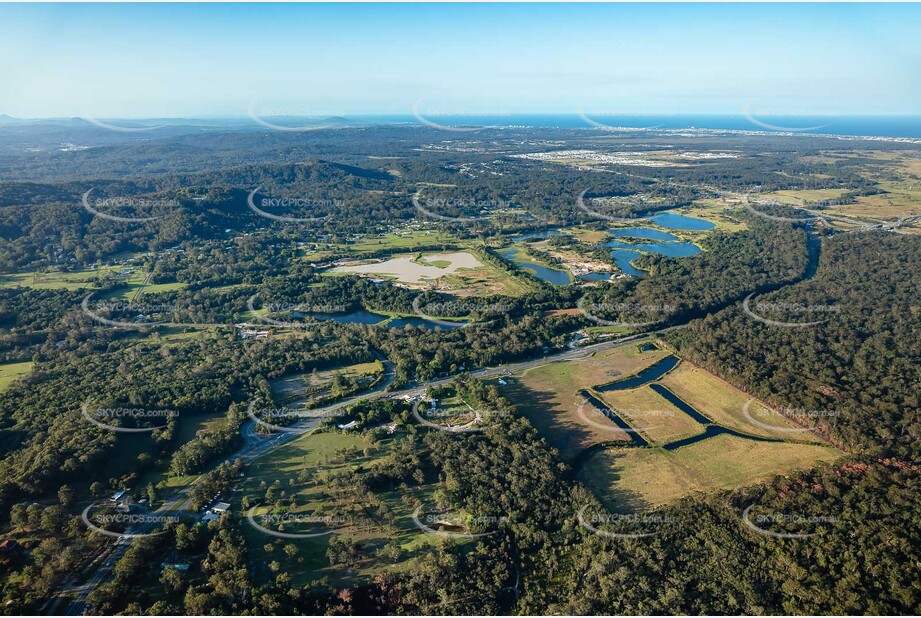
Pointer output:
x,y
651,415
303,469
635,479
549,395
9,372
723,403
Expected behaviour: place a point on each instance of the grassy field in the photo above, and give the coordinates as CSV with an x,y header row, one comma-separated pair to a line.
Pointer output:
x,y
655,418
13,371
635,479
315,456
401,240
549,395
723,403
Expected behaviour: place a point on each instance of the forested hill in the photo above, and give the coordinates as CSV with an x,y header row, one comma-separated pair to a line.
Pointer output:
x,y
858,373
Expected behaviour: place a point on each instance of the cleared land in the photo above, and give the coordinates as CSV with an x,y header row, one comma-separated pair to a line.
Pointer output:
x,y
549,395
303,469
10,372
634,479
652,416
723,403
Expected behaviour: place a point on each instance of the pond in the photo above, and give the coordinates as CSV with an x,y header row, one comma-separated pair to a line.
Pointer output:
x,y
674,221
356,317
550,275
668,249
650,374
715,430
422,323
642,232
622,258
538,235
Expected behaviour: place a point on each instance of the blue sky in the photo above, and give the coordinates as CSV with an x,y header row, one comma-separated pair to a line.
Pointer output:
x,y
123,61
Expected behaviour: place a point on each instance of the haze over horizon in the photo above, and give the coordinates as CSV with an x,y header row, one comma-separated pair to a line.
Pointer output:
x,y
216,61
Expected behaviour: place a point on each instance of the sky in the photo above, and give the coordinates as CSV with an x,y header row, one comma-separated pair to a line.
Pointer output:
x,y
221,60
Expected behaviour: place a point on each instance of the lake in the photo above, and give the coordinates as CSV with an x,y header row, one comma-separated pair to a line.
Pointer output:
x,y
550,275
368,317
642,232
674,221
622,258
668,249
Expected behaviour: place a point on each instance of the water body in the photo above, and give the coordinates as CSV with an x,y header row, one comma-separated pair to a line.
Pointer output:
x,y
550,275
679,403
883,126
642,232
622,258
715,430
422,323
674,221
611,414
597,276
356,317
650,374
668,249
648,347
539,235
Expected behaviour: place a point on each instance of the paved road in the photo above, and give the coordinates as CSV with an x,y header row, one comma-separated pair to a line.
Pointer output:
x,y
256,444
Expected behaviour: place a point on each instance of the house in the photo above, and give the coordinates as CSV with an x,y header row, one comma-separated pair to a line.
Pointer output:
x,y
348,425
220,508
210,517
118,495
502,382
